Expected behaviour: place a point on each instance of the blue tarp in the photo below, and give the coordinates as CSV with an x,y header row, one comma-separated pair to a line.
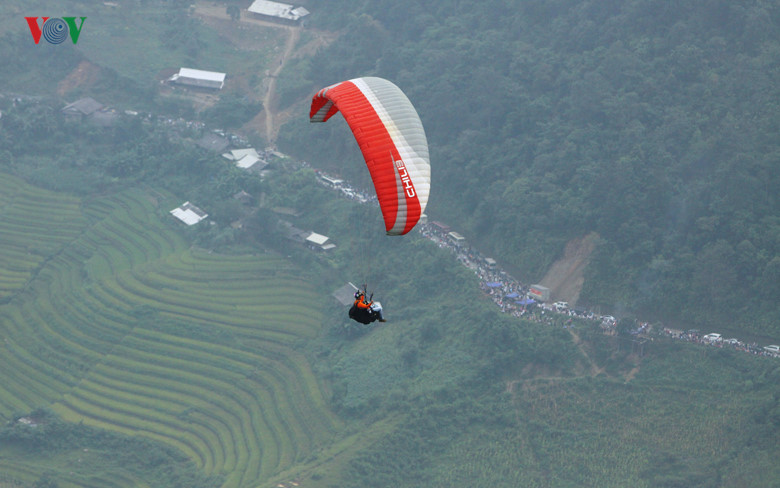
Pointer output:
x,y
514,294
493,284
525,301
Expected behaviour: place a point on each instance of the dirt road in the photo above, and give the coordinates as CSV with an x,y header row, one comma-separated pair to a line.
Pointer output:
x,y
270,99
269,120
265,122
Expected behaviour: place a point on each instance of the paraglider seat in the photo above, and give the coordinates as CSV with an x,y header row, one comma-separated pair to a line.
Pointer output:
x,y
362,315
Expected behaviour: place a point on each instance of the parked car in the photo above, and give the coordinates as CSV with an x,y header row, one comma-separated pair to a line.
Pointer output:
x,y
731,341
712,337
772,348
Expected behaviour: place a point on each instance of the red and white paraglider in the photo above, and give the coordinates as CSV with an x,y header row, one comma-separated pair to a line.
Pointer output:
x,y
392,140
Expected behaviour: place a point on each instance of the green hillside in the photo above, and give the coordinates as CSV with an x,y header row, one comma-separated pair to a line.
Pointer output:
x,y
653,125
111,320
480,398
137,352
126,329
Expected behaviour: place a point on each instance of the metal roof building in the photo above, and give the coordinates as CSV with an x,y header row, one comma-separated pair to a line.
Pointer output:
x,y
237,154
456,238
189,213
277,10
89,109
331,181
319,241
246,159
199,78
83,106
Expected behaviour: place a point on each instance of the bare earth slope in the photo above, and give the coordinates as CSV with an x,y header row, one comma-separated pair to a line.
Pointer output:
x,y
565,277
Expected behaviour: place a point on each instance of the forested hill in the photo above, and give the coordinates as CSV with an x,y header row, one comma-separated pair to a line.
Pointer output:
x,y
653,123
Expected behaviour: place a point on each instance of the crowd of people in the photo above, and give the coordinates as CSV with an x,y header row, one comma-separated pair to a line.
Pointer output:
x,y
512,296
507,292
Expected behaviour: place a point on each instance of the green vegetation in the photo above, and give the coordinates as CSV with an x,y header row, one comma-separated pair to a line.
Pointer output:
x,y
231,111
664,428
112,62
653,125
150,354
55,453
483,399
118,325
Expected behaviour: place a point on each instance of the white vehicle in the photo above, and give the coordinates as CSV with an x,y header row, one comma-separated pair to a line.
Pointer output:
x,y
561,305
732,341
712,337
772,348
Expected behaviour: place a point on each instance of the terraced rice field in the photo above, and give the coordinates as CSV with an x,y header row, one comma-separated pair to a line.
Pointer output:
x,y
108,317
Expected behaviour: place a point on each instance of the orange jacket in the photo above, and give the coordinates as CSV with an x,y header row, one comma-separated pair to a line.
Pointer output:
x,y
361,302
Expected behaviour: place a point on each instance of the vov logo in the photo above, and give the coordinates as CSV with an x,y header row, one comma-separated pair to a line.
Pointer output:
x,y
55,30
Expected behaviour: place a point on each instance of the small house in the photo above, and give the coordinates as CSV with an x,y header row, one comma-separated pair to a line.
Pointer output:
x,y
441,227
456,238
332,182
247,159
277,11
319,242
293,233
81,108
89,109
189,213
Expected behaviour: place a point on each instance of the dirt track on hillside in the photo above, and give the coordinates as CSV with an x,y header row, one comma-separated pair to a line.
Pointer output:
x,y
268,121
85,74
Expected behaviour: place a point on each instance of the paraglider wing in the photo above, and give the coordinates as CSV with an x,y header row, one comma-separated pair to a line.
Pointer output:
x,y
392,140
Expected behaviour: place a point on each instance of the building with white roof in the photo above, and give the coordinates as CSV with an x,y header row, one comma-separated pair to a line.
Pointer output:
x,y
456,238
189,213
246,159
277,11
334,182
237,154
319,241
199,78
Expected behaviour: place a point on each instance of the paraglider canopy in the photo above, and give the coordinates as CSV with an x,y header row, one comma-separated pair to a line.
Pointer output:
x,y
392,140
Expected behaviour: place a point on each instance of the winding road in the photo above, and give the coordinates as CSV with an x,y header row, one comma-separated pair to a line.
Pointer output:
x,y
266,122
